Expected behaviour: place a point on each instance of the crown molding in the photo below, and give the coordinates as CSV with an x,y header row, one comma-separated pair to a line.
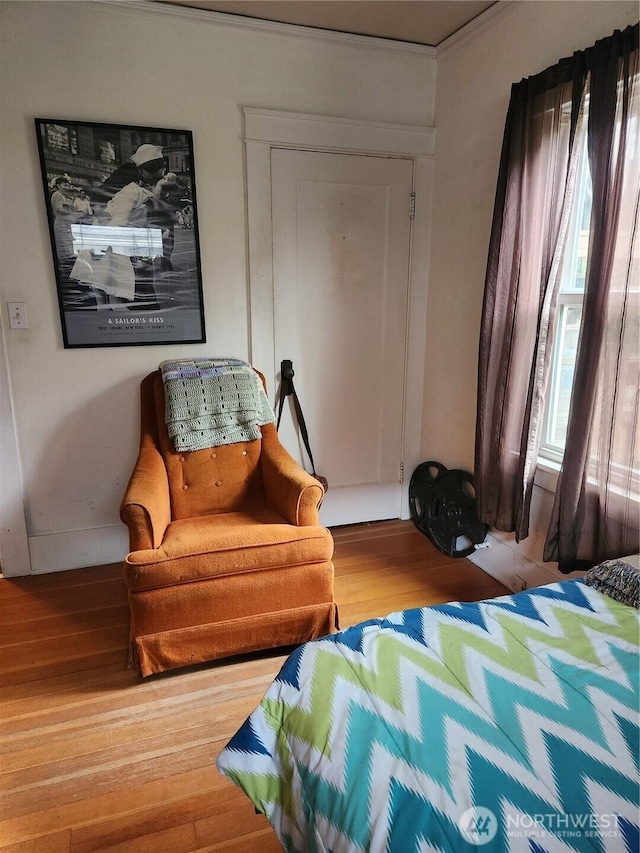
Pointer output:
x,y
239,22
479,22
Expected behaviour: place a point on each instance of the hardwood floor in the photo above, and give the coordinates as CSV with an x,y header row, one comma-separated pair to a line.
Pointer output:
x,y
94,758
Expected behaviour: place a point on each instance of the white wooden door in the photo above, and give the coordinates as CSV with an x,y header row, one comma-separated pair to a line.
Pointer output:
x,y
341,239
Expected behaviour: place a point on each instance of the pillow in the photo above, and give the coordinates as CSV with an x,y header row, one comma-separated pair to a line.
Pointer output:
x,y
619,579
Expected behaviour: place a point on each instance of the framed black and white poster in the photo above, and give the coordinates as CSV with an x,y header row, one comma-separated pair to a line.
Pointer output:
x,y
121,206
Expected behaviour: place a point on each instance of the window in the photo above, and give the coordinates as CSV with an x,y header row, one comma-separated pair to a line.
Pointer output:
x,y
625,470
568,316
562,305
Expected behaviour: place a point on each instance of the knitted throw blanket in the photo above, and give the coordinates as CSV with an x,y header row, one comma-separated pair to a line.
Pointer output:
x,y
213,401
619,579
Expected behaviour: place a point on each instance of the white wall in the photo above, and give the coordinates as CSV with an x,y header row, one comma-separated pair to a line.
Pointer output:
x,y
76,411
474,77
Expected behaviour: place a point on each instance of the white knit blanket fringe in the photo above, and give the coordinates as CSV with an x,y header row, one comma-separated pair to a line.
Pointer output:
x,y
213,401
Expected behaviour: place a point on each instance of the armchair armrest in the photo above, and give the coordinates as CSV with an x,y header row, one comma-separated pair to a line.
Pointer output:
x,y
288,488
146,506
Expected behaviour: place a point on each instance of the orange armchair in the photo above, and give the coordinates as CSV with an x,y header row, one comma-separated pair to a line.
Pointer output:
x,y
226,551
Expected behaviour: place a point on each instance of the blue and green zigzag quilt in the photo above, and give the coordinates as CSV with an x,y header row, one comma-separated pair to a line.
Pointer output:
x,y
505,725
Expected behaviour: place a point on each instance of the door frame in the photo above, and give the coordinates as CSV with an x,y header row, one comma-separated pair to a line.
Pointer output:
x,y
15,558
267,129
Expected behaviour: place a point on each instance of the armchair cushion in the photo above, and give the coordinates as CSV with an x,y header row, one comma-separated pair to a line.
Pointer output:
x,y
203,482
212,546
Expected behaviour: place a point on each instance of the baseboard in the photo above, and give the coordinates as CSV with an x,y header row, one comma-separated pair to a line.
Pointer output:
x,y
75,549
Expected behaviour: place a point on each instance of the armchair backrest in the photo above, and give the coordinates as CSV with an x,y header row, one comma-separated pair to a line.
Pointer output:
x,y
201,482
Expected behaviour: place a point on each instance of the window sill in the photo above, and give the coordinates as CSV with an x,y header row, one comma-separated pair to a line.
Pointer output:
x,y
546,476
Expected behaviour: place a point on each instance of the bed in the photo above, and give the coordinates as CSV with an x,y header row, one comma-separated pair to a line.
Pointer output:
x,y
509,724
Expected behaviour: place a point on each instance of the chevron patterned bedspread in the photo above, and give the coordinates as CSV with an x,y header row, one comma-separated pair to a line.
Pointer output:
x,y
505,725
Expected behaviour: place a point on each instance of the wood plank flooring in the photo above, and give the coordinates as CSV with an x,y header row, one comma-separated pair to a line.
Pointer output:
x,y
96,759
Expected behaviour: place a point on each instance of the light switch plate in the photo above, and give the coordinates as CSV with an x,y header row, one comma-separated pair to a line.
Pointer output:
x,y
18,318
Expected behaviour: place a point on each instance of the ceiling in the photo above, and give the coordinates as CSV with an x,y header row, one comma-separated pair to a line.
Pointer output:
x,y
426,22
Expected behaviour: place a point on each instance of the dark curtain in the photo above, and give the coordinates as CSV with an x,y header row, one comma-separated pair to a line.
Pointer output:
x,y
586,105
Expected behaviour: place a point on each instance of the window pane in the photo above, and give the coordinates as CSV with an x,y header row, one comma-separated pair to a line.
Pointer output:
x,y
569,317
569,310
574,269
